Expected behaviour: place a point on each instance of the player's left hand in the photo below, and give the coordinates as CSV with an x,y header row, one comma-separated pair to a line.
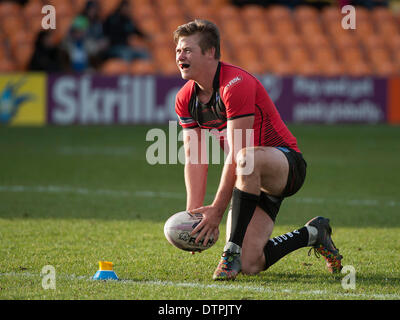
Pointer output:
x,y
209,225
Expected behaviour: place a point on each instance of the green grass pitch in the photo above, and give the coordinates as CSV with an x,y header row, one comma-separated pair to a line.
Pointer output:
x,y
72,196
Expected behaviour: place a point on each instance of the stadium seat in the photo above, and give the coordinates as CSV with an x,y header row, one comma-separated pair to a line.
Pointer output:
x,y
63,27
143,12
32,8
22,54
228,13
305,13
310,28
281,68
254,66
168,68
231,28
276,13
252,13
331,69
115,66
107,7
385,68
257,29
10,24
142,67
307,68
247,54
150,26
9,9
358,69
331,14
7,65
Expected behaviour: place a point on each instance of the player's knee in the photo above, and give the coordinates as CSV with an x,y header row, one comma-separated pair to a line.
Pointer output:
x,y
246,162
251,265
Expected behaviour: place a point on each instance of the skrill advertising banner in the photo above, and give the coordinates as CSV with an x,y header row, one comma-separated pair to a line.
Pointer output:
x,y
102,100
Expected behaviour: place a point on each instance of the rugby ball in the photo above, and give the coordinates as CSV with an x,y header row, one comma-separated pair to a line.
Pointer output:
x,y
177,230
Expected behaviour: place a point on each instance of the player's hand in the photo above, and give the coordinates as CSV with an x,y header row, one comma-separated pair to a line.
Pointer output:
x,y
209,225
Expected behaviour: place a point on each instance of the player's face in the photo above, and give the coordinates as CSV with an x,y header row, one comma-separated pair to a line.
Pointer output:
x,y
189,58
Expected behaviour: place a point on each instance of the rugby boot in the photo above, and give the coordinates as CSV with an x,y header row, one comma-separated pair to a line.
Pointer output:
x,y
230,264
324,245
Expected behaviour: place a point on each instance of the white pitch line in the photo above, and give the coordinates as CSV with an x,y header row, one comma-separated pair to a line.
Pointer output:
x,y
259,289
177,195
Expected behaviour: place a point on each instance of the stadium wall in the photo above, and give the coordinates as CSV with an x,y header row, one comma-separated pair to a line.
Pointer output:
x,y
65,99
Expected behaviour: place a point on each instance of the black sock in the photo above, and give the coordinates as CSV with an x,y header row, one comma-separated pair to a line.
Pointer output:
x,y
278,247
243,207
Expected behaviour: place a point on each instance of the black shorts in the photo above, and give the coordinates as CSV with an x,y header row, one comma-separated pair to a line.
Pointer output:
x,y
297,173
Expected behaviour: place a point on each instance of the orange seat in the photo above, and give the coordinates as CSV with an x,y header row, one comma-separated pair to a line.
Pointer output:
x,y
247,54
292,40
278,13
32,8
305,13
9,9
150,26
252,13
284,27
7,65
331,69
108,7
379,56
384,68
310,28
381,14
351,55
331,14
115,66
168,68
228,13
324,55
254,66
10,24
267,41
317,42
358,69
373,42
308,68
22,54
22,37
62,29
142,67
143,12
362,14
346,41
257,28
281,68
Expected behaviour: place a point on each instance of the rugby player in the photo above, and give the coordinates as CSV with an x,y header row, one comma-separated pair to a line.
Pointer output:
x,y
227,99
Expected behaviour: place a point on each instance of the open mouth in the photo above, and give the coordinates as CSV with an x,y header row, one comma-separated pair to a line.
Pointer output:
x,y
184,66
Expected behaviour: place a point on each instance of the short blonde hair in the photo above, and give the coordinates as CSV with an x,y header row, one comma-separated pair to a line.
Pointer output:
x,y
208,31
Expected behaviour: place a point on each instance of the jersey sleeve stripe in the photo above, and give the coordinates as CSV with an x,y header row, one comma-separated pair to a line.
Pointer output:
x,y
241,116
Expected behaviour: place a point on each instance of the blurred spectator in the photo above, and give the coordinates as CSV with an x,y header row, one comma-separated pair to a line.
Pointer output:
x,y
118,28
47,56
96,42
76,44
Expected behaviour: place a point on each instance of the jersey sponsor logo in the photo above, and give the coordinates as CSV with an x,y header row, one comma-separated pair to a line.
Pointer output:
x,y
233,81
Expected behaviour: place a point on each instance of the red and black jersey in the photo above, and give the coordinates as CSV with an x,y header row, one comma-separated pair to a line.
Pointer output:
x,y
236,94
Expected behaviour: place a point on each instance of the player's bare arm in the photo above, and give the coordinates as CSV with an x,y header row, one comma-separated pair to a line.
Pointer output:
x,y
236,134
195,168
